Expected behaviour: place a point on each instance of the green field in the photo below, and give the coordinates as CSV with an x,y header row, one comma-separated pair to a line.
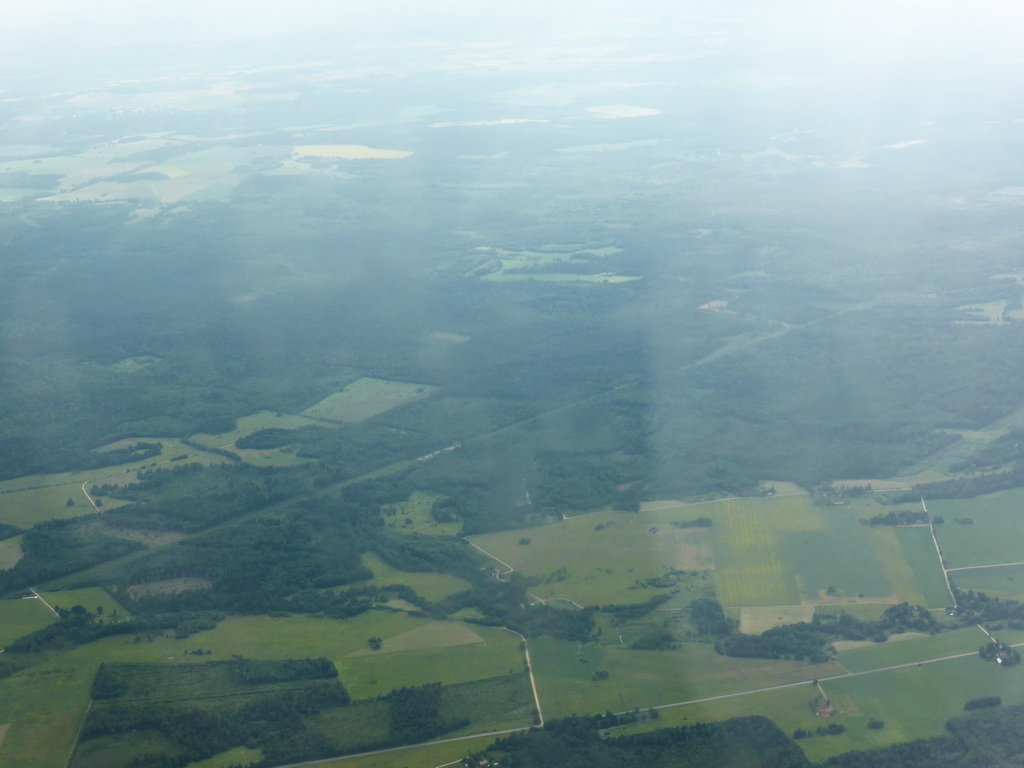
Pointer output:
x,y
10,552
649,678
19,617
912,650
426,756
365,398
915,702
430,586
919,552
603,557
89,598
413,516
246,425
1005,582
995,536
28,500
236,756
753,565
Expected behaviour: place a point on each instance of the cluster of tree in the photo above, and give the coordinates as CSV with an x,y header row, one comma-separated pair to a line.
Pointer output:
x,y
901,517
1003,450
263,671
1002,653
832,729
699,522
7,531
415,713
576,742
983,701
800,641
974,607
709,618
965,487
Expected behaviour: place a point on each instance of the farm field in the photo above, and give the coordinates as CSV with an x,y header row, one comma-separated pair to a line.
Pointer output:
x,y
10,552
430,586
995,536
908,651
365,398
858,574
649,678
236,756
915,702
919,551
426,756
19,617
1005,582
912,581
89,598
602,558
752,562
413,516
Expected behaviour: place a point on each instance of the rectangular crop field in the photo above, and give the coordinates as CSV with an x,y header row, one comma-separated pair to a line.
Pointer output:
x,y
753,565
909,651
365,398
919,551
993,535
564,673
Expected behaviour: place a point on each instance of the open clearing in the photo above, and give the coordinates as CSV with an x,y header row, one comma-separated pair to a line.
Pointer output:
x,y
413,516
427,756
438,634
365,398
541,265
19,617
10,552
254,423
605,557
430,586
233,757
89,598
756,619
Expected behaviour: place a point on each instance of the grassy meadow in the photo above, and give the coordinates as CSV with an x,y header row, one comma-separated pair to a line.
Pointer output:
x,y
19,617
90,598
995,536
912,649
564,672
1005,582
430,586
413,516
10,552
365,398
246,425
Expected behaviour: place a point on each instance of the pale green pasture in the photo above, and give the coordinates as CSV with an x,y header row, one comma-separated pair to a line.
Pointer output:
x,y
246,425
413,516
374,673
10,552
19,617
753,564
914,702
430,586
756,619
814,556
908,560
996,535
603,554
649,678
919,551
89,598
365,398
879,655
26,508
233,757
1005,582
427,756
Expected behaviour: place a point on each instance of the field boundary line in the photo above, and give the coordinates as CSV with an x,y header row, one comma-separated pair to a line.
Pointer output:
x,y
78,735
975,567
942,563
493,557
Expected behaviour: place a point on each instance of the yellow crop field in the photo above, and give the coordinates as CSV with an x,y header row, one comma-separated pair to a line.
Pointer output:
x,y
752,567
